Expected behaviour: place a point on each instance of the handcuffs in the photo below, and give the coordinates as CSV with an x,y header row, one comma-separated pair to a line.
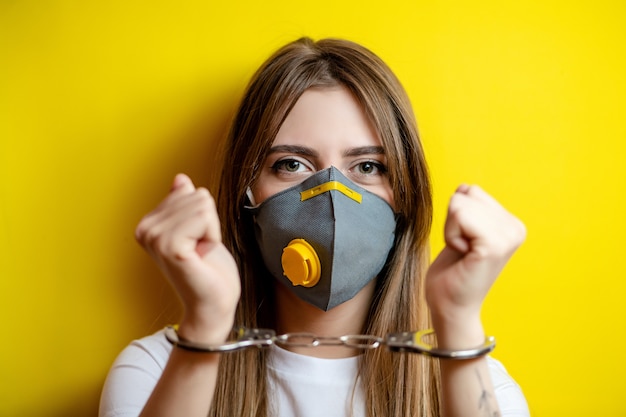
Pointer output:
x,y
407,342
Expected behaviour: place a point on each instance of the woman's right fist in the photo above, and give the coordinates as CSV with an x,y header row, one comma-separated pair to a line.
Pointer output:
x,y
183,236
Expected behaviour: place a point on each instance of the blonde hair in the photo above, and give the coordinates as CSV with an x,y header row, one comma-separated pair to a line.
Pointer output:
x,y
395,384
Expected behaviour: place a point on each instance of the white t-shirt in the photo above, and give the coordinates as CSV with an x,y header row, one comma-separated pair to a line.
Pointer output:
x,y
307,386
301,386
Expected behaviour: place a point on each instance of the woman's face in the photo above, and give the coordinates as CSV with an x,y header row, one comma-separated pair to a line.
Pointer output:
x,y
325,127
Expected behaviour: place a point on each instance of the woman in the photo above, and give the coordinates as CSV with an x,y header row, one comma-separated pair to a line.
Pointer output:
x,y
327,118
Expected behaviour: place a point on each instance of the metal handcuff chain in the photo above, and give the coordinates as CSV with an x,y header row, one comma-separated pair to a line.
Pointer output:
x,y
406,342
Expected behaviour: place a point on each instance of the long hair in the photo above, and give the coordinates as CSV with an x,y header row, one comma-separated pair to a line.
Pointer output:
x,y
396,385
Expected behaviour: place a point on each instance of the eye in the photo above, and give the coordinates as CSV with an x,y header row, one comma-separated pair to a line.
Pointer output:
x,y
289,165
370,168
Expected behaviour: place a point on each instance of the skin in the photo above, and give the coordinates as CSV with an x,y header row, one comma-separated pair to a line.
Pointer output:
x,y
326,127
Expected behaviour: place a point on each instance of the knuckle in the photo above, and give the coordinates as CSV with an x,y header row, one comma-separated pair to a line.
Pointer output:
x,y
163,246
203,191
454,206
205,197
206,207
151,238
141,232
520,232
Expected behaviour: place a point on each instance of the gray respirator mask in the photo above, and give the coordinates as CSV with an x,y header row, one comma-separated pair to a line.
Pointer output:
x,y
325,238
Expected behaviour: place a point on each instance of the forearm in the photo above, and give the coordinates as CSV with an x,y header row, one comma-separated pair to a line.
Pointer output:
x,y
480,238
186,386
467,389
188,382
183,235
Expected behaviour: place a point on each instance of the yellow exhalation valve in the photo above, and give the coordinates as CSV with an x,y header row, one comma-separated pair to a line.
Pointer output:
x,y
301,263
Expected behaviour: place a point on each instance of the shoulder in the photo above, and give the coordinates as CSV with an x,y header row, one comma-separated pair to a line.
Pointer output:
x,y
508,393
133,376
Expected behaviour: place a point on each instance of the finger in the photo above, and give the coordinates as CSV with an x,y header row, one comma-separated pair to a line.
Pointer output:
x,y
480,224
477,193
182,183
462,188
454,235
181,188
176,210
483,206
213,232
197,221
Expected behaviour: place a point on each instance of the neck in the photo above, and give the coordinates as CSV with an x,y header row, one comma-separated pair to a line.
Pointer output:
x,y
296,316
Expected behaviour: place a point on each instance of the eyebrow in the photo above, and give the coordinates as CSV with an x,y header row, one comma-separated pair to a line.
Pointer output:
x,y
306,151
365,150
298,150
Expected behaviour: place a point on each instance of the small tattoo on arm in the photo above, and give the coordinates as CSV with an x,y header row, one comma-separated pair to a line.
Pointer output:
x,y
486,400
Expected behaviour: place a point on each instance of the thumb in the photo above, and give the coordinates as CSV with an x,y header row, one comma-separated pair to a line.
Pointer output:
x,y
454,235
181,182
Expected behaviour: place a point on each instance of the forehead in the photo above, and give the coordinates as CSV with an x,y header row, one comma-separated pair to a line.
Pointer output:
x,y
328,115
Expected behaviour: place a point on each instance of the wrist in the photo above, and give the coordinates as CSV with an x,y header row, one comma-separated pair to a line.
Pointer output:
x,y
196,328
458,332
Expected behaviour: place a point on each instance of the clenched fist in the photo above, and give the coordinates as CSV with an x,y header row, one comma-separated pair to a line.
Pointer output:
x,y
480,237
183,236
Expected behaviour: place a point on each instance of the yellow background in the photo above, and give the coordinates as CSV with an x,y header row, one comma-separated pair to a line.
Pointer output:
x,y
101,103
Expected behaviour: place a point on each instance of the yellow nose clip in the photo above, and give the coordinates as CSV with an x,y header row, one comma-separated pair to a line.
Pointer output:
x,y
331,185
301,265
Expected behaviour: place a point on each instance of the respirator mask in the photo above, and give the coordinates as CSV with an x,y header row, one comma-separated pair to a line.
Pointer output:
x,y
325,238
